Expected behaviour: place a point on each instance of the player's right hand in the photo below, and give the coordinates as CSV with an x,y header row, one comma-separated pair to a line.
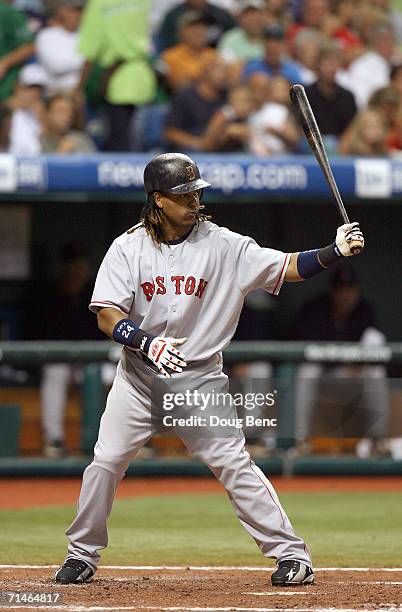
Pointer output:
x,y
163,354
348,237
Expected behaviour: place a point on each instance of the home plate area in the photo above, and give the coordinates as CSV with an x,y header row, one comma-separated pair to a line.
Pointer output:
x,y
209,589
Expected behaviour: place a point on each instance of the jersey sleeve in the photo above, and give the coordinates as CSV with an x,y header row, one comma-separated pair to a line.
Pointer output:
x,y
259,267
114,286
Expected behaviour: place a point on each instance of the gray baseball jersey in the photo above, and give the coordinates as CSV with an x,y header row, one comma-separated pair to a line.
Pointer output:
x,y
194,289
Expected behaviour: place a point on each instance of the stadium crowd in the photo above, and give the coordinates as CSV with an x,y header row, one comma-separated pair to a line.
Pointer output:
x,y
140,75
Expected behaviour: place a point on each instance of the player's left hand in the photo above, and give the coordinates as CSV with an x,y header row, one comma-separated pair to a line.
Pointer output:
x,y
348,238
163,354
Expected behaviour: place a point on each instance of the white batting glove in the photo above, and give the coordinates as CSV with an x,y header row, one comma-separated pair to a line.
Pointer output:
x,y
345,235
162,352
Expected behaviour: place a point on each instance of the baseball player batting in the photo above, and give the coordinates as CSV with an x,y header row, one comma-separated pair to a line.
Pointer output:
x,y
178,280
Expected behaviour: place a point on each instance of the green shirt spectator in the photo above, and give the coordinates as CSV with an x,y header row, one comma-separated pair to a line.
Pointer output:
x,y
115,34
235,45
16,47
245,42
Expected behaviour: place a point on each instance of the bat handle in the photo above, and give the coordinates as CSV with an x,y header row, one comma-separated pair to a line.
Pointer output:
x,y
355,247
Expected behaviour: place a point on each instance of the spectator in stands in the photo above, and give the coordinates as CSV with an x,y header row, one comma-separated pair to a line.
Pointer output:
x,y
340,26
366,135
193,107
332,21
334,107
186,61
260,86
365,18
245,41
279,91
386,101
5,128
341,314
16,47
314,15
306,49
274,62
392,11
228,130
217,19
28,110
396,79
116,35
272,128
394,139
59,135
64,316
57,47
372,69
278,14
158,12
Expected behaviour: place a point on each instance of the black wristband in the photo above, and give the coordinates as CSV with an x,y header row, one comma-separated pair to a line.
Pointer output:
x,y
329,255
142,341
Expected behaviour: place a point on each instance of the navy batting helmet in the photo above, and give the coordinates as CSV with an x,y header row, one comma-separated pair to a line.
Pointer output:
x,y
172,173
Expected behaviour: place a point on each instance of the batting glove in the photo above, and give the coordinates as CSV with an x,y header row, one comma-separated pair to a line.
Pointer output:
x,y
348,238
163,354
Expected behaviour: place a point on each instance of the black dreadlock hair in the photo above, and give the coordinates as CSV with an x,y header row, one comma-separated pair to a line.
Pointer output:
x,y
151,218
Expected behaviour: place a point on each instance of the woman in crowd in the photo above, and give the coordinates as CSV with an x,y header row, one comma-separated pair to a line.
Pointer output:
x,y
59,134
366,135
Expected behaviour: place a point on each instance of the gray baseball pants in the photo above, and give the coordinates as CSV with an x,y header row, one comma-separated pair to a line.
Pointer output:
x,y
126,426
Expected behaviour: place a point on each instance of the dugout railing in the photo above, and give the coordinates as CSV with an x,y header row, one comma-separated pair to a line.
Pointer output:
x,y
283,355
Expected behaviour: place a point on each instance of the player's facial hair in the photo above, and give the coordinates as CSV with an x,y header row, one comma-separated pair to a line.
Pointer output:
x,y
152,219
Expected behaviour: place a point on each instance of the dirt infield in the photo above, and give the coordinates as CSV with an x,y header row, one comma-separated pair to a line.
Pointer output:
x,y
28,492
212,589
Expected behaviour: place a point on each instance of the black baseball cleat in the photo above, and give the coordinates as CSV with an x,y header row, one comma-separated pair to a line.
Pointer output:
x,y
292,573
74,571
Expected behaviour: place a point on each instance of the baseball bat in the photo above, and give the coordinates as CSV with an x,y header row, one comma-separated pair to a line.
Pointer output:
x,y
305,113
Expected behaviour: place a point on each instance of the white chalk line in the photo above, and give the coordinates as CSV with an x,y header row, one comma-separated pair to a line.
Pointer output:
x,y
207,568
281,593
374,582
380,583
41,582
